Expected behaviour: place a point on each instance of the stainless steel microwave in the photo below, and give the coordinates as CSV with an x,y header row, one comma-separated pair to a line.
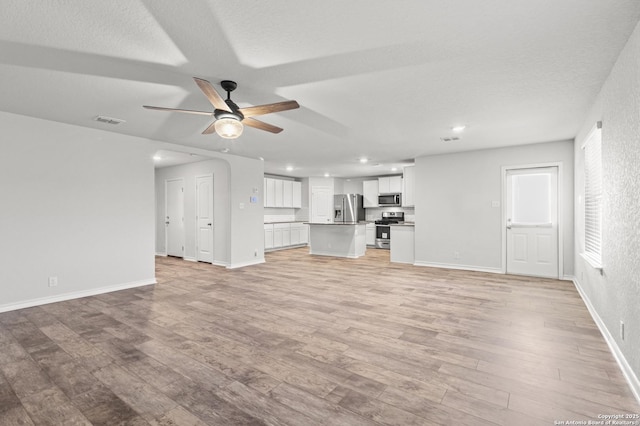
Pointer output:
x,y
389,200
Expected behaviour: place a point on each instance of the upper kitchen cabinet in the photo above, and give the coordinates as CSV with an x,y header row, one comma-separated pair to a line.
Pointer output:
x,y
390,185
282,193
409,187
370,193
279,193
297,195
269,192
287,191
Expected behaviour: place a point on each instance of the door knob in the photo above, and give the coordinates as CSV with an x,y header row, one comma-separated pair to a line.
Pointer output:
x,y
208,224
509,223
166,223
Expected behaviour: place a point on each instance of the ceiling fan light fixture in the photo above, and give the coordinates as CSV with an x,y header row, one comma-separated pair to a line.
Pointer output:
x,y
228,127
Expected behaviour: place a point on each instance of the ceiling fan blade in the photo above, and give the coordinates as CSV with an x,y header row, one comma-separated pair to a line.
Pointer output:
x,y
211,94
252,122
268,108
209,130
188,111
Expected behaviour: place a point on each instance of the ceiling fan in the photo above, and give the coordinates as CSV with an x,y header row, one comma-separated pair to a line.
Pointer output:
x,y
229,119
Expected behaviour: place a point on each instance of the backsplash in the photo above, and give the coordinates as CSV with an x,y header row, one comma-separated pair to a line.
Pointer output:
x,y
374,213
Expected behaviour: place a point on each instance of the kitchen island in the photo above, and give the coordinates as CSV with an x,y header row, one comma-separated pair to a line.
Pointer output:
x,y
402,243
337,239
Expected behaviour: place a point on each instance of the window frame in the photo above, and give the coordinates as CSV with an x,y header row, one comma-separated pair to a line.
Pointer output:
x,y
593,197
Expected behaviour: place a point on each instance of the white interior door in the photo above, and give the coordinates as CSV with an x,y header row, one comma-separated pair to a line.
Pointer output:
x,y
174,217
204,218
532,221
321,204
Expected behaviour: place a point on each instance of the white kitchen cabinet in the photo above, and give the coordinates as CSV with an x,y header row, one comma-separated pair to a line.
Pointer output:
x,y
299,234
287,193
279,197
304,234
390,185
268,236
281,235
297,195
277,236
270,192
370,193
395,184
370,231
287,234
402,248
409,187
282,193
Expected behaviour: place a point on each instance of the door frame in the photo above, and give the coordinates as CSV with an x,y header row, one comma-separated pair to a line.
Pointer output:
x,y
166,198
213,227
560,204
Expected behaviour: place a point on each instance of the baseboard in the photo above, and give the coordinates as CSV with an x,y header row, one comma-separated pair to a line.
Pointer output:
x,y
627,371
75,295
243,264
161,254
459,267
190,259
219,263
568,278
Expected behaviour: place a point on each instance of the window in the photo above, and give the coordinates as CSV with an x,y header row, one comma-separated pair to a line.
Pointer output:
x,y
593,197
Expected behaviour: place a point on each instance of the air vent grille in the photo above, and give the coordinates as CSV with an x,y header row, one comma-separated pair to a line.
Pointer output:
x,y
108,120
450,139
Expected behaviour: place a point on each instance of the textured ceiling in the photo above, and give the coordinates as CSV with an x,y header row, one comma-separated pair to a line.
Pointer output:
x,y
377,79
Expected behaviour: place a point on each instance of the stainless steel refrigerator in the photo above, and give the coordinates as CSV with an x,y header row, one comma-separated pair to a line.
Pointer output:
x,y
348,208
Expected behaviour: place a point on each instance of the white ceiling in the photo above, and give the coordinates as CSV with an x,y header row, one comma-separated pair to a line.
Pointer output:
x,y
378,79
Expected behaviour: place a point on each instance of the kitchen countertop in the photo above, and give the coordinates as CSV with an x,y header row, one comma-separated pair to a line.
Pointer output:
x,y
403,224
338,224
285,221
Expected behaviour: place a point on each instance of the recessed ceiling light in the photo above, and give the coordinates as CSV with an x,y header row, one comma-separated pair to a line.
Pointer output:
x,y
459,128
393,169
364,160
327,175
225,150
157,158
289,168
260,158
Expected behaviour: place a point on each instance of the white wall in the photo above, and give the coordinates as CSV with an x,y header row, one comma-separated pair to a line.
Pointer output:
x,y
453,210
77,204
238,180
615,295
221,206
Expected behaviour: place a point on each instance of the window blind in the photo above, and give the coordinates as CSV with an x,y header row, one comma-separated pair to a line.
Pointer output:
x,y
593,195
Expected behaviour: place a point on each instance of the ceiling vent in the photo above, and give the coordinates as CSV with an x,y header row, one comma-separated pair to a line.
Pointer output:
x,y
108,120
450,139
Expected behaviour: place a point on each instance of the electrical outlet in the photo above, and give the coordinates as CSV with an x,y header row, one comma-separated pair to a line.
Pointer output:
x,y
456,255
255,253
53,281
622,330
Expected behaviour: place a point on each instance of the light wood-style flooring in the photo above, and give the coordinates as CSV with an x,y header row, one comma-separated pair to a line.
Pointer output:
x,y
305,340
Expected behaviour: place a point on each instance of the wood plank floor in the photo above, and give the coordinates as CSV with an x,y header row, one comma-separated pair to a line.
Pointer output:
x,y
306,340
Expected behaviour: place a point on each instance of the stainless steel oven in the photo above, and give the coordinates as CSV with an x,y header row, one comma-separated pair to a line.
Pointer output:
x,y
383,236
383,228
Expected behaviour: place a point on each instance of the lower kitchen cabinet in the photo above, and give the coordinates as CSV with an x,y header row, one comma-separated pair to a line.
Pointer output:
x,y
268,236
283,235
370,232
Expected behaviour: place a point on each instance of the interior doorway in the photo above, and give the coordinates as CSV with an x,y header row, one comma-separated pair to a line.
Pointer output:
x,y
174,217
204,218
531,221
